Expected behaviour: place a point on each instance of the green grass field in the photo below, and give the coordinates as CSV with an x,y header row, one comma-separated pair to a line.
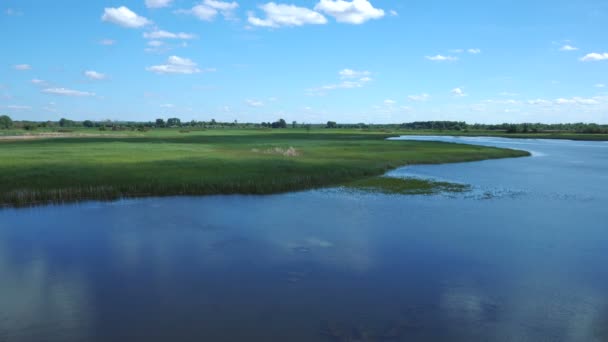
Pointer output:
x,y
166,162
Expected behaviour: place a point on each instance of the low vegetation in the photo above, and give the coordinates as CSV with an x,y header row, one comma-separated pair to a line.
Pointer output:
x,y
162,162
405,186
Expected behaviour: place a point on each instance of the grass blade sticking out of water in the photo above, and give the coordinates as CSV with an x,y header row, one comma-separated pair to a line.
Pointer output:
x,y
405,186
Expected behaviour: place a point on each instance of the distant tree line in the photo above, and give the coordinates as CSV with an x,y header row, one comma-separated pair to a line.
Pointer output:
x,y
65,124
589,128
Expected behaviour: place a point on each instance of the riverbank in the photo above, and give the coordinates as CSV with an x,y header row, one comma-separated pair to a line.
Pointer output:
x,y
168,163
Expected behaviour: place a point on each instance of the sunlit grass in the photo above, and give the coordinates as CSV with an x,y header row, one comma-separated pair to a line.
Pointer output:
x,y
165,162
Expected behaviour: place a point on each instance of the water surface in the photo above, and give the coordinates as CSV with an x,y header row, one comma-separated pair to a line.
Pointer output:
x,y
522,257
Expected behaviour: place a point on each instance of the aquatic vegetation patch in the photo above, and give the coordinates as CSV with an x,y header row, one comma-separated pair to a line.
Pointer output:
x,y
406,186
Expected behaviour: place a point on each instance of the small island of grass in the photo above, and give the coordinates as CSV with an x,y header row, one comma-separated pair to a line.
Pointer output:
x,y
89,166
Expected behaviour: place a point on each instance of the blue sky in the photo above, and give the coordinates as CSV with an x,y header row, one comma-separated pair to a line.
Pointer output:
x,y
311,61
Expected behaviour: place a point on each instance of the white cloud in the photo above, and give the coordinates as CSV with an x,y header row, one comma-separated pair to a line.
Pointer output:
x,y
600,85
568,48
167,105
158,3
474,51
278,15
389,102
223,6
67,92
458,92
156,43
592,57
393,13
577,100
350,73
161,34
23,67
540,102
419,98
107,42
94,75
254,103
176,65
124,17
508,94
346,84
38,81
441,58
209,9
350,12
18,107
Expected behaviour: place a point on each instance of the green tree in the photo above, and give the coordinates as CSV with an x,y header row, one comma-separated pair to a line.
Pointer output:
x,y
294,124
5,122
160,123
279,124
88,123
331,124
66,123
174,122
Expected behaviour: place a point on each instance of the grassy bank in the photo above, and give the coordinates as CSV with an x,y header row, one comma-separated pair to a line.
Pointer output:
x,y
170,162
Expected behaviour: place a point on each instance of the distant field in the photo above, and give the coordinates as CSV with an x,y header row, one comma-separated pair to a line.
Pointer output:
x,y
169,162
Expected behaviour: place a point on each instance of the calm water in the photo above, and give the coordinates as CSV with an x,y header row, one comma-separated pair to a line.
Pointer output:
x,y
523,257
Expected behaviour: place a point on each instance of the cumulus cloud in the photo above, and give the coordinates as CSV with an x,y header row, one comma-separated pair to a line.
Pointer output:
x,y
22,67
161,34
474,51
350,73
94,75
458,92
67,92
155,43
176,65
441,58
593,57
107,42
568,48
209,9
278,15
37,81
419,98
254,103
124,17
351,79
389,102
158,3
600,85
350,12
540,102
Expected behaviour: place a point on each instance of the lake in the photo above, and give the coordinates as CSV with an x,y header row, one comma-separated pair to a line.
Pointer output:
x,y
521,257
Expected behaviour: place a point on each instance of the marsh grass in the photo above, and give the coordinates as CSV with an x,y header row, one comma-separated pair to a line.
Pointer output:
x,y
168,163
405,186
